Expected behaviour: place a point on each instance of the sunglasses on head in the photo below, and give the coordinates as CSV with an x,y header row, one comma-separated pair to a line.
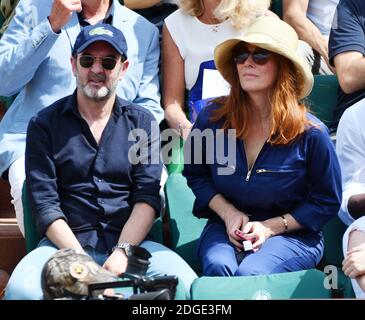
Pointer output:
x,y
108,63
259,56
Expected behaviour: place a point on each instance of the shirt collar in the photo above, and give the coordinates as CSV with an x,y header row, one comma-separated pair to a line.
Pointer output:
x,y
71,106
108,17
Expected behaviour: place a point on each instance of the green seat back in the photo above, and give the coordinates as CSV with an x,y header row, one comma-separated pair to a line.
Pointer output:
x,y
333,232
32,236
176,164
185,229
277,7
333,256
323,97
307,284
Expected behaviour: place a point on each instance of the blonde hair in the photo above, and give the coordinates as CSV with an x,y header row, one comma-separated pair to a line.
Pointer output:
x,y
241,12
194,8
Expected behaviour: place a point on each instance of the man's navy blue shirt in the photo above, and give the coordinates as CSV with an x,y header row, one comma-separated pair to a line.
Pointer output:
x,y
92,187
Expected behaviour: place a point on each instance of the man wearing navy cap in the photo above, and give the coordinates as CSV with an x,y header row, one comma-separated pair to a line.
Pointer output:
x,y
86,191
34,60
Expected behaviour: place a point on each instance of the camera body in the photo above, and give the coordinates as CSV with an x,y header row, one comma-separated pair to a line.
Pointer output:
x,y
69,274
144,288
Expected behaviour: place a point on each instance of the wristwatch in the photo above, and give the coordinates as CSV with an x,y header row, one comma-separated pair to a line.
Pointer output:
x,y
124,246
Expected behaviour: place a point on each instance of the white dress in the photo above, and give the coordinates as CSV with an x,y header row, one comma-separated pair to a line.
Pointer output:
x,y
196,41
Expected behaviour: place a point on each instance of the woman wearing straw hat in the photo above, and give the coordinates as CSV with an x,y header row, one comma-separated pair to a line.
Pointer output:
x,y
190,35
282,181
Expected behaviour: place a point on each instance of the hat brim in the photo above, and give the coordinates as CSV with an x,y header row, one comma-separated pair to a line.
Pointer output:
x,y
96,39
223,58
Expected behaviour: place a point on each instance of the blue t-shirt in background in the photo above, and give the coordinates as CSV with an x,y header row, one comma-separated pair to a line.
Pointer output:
x,y
347,34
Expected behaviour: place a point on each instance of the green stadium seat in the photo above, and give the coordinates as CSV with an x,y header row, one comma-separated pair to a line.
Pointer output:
x,y
176,164
32,237
323,97
307,284
185,229
31,234
333,256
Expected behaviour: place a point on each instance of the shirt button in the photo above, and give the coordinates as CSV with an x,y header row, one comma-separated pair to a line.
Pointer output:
x,y
99,180
101,202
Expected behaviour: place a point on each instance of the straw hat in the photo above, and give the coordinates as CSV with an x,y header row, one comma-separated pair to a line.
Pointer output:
x,y
268,33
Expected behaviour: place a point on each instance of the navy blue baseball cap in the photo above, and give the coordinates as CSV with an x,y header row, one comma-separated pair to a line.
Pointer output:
x,y
100,32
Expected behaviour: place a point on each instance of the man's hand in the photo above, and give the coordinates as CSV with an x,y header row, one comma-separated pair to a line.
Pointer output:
x,y
117,262
62,11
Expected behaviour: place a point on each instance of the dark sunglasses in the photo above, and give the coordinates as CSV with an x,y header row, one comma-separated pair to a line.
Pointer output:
x,y
108,63
259,56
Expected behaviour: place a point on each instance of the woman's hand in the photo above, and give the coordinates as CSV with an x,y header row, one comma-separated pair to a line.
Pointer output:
x,y
233,221
257,232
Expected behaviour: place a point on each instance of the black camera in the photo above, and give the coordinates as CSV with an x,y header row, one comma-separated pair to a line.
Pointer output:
x,y
144,288
69,274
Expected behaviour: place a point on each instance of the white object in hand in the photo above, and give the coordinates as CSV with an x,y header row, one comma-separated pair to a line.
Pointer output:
x,y
247,245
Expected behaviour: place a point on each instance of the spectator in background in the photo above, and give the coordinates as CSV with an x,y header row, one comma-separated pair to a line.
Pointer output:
x,y
350,147
154,11
7,9
346,52
280,181
34,60
190,35
312,20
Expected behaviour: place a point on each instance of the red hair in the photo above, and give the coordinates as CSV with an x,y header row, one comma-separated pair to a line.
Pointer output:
x,y
288,116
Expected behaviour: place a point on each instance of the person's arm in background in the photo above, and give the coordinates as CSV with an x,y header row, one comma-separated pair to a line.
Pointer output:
x,y
148,94
350,150
8,13
350,68
140,4
347,47
27,42
295,14
173,85
354,263
41,180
